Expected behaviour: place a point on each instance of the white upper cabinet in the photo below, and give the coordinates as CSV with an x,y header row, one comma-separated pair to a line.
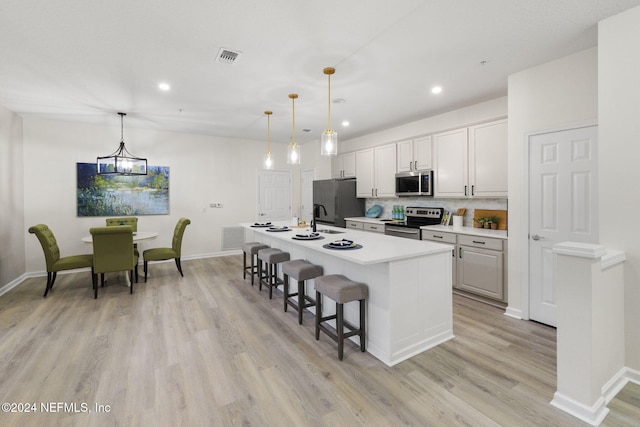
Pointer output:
x,y
451,160
414,154
471,162
375,172
488,159
343,166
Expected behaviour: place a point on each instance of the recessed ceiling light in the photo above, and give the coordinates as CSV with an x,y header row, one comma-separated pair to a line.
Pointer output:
x,y
164,86
345,123
436,89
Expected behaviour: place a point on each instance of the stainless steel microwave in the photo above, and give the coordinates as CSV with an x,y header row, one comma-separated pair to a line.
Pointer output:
x,y
414,183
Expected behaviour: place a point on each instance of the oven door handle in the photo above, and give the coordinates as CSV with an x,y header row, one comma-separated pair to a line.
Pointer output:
x,y
397,230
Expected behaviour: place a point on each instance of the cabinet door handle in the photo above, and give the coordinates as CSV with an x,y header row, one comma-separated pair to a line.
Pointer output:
x,y
415,165
438,237
473,190
376,192
372,192
479,242
465,190
460,253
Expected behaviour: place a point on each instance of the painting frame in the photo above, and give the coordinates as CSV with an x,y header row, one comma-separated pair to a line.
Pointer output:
x,y
121,195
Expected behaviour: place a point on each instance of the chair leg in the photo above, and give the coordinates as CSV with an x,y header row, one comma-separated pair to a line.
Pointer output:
x,y
102,279
179,266
136,273
94,279
285,280
131,280
48,286
145,271
53,279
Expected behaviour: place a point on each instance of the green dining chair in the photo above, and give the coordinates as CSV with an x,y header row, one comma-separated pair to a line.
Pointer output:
x,y
174,252
128,220
113,251
52,256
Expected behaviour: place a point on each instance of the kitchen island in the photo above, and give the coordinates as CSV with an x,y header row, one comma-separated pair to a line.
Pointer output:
x,y
409,308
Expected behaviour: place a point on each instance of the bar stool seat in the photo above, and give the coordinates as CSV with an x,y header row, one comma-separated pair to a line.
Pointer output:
x,y
300,270
271,257
341,290
252,249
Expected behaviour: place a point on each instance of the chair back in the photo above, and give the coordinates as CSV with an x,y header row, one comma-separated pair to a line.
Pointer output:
x,y
48,242
112,249
130,220
176,244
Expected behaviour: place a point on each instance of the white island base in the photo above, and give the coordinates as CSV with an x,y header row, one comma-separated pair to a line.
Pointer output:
x,y
409,308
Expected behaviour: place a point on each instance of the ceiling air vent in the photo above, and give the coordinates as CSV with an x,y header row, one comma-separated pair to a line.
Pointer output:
x,y
227,56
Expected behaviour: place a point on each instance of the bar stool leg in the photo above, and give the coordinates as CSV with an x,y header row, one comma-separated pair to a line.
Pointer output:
x,y
362,328
286,290
259,274
318,314
244,267
340,329
301,300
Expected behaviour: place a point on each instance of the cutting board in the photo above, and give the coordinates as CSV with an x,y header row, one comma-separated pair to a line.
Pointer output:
x,y
501,214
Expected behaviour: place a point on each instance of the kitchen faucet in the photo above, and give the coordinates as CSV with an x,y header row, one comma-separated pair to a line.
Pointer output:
x,y
316,214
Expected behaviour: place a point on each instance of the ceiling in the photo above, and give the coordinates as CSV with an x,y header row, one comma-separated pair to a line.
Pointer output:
x,y
83,61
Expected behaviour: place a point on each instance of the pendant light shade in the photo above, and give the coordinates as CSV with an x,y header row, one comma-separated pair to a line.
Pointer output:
x,y
121,161
293,152
329,140
268,161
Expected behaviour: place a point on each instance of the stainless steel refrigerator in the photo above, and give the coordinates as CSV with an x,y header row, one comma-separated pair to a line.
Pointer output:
x,y
338,196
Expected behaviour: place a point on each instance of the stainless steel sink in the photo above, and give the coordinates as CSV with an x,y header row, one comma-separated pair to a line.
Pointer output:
x,y
330,231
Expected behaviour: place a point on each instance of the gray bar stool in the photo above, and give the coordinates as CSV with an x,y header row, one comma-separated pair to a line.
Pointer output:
x,y
252,249
341,290
300,270
269,277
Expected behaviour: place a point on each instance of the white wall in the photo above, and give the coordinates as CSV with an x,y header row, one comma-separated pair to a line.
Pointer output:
x,y
12,262
477,113
551,96
619,133
203,169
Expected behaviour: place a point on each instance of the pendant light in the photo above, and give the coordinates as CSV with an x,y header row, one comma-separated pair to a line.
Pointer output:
x,y
121,161
268,162
329,141
293,153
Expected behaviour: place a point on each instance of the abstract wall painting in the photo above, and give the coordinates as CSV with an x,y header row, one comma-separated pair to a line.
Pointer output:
x,y
111,195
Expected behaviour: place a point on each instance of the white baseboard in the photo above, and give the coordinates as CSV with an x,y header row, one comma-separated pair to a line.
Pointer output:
x,y
15,282
592,415
512,312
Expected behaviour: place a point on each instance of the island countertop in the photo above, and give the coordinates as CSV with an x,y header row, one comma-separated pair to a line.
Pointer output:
x,y
376,247
409,307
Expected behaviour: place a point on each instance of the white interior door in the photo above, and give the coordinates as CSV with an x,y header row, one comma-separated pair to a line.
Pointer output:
x,y
306,196
274,195
563,206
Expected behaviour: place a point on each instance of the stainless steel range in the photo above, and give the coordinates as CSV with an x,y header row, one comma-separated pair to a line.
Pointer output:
x,y
416,217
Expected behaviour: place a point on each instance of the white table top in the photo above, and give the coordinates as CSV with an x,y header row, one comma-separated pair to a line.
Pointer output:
x,y
376,247
137,236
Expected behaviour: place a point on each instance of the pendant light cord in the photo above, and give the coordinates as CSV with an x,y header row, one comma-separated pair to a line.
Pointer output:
x,y
329,104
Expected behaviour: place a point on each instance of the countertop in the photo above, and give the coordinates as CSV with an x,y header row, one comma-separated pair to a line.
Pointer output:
x,y
471,231
376,247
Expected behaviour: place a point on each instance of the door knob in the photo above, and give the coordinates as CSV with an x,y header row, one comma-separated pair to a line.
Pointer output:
x,y
536,237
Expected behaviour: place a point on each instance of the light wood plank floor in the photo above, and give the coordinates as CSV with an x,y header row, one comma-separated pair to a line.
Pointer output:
x,y
210,350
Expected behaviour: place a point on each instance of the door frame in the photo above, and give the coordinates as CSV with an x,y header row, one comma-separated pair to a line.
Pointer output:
x,y
526,214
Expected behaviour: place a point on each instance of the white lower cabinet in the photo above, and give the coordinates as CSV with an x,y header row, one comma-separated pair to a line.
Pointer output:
x,y
478,263
356,225
441,237
366,226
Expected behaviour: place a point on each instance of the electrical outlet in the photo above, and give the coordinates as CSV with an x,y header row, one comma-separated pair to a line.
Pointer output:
x,y
215,205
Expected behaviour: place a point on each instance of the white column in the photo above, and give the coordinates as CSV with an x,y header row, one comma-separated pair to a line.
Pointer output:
x,y
590,308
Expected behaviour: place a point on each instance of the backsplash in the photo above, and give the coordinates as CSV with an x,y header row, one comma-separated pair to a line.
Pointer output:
x,y
449,204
